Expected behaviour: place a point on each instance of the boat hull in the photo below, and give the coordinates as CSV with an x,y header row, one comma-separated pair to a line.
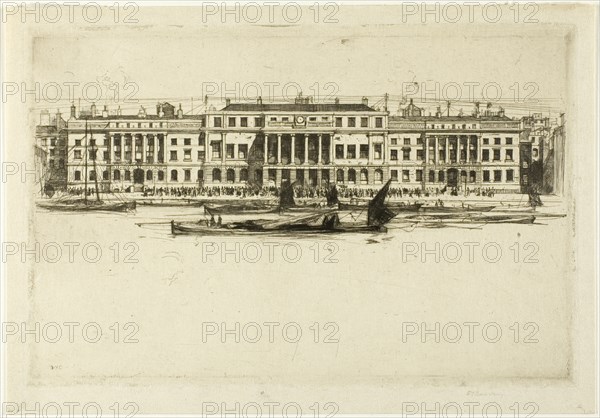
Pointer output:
x,y
88,207
202,229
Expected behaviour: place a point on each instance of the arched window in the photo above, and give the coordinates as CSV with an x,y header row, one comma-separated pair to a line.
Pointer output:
x,y
364,176
441,176
161,175
472,176
244,174
378,176
77,175
216,175
339,175
173,175
149,175
116,175
230,175
105,175
351,176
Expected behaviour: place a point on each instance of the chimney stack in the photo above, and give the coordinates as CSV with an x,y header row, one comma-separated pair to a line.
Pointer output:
x,y
227,102
93,110
180,112
365,101
73,110
259,100
105,112
58,119
142,112
438,113
119,111
337,100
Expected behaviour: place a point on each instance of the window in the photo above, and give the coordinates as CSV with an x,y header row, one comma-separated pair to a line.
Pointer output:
x,y
509,155
149,175
216,175
161,175
244,122
394,175
406,141
486,141
497,141
351,151
273,119
312,119
105,155
497,175
200,174
258,122
231,122
485,155
379,122
352,122
217,122
78,142
394,155
378,151
173,175
419,175
92,142
364,122
116,175
77,175
393,141
364,151
187,155
187,175
420,155
339,175
364,176
229,150
173,156
486,176
117,142
216,149
472,176
339,151
173,141
127,175
351,176
53,142
405,176
419,141
77,154
441,176
230,174
406,154
509,141
510,175
338,122
187,141
244,174
242,151
496,155
201,155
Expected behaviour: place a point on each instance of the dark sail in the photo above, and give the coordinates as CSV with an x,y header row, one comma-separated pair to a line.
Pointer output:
x,y
378,213
286,196
332,196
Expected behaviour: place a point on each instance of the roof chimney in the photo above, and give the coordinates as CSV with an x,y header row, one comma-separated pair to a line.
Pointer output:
x,y
142,112
105,112
119,111
227,102
93,109
438,113
259,100
365,101
180,112
337,100
73,110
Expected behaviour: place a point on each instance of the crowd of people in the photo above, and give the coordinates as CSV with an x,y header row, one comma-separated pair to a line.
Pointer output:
x,y
344,192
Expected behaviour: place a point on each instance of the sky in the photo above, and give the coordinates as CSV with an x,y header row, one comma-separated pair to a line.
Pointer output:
x,y
523,69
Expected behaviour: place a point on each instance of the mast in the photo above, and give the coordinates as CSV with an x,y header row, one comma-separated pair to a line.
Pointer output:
x,y
94,148
86,164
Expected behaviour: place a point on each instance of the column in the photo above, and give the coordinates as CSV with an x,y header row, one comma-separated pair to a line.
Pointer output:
x,y
331,148
468,150
111,151
293,153
223,149
447,150
266,151
479,148
319,159
305,149
370,150
278,148
426,151
278,177
319,177
208,149
437,150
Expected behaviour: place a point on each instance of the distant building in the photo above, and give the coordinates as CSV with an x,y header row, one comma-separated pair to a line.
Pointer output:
x,y
51,150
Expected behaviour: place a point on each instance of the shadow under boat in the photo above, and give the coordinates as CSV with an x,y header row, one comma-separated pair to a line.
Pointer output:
x,y
326,222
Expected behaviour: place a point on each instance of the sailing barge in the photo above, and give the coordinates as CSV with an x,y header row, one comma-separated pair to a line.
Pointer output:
x,y
314,223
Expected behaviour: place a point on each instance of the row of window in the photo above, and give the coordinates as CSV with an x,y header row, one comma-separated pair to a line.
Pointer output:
x,y
350,151
485,155
160,175
419,141
471,176
351,122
